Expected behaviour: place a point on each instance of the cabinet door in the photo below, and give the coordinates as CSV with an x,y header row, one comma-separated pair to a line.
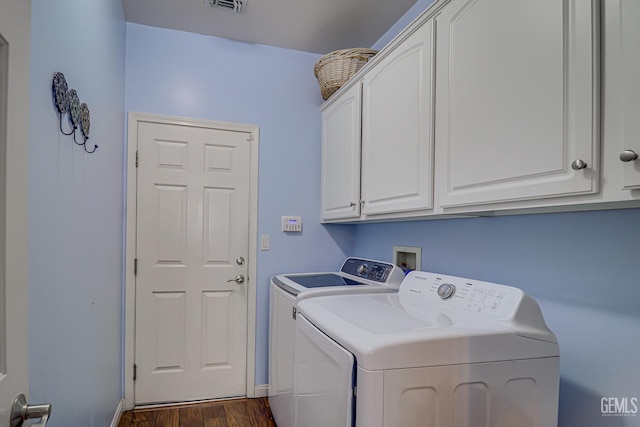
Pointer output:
x,y
397,141
629,14
516,100
341,157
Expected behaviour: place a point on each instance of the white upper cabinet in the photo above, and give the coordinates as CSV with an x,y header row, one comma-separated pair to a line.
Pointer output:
x,y
341,157
506,95
516,100
397,123
628,14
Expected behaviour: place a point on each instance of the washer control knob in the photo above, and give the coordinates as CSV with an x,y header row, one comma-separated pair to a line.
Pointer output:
x,y
362,269
446,290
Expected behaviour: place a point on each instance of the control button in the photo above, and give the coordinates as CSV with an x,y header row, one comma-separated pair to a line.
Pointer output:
x,y
446,290
362,268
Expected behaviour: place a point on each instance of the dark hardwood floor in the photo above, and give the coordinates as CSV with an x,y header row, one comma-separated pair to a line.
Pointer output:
x,y
226,413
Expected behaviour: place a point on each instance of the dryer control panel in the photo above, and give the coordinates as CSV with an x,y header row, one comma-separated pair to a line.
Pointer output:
x,y
490,299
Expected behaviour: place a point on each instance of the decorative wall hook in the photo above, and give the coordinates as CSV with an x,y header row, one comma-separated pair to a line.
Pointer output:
x,y
68,102
61,97
85,124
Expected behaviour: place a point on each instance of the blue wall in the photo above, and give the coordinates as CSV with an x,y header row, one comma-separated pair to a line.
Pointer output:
x,y
183,74
582,269
75,214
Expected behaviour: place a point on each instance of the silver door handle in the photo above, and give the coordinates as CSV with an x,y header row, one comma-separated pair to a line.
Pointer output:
x,y
239,279
21,411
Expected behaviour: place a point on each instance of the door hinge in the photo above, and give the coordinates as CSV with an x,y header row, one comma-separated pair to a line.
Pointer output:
x,y
294,312
135,267
136,158
135,371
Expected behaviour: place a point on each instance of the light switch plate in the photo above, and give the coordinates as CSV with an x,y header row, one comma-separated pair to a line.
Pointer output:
x,y
264,242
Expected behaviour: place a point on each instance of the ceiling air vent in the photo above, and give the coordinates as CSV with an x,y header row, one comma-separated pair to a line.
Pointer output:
x,y
236,5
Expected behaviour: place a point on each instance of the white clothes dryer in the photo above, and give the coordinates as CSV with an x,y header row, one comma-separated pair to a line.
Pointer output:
x,y
357,275
442,352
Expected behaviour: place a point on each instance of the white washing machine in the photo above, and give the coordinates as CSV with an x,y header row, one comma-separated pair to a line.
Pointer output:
x,y
356,275
442,352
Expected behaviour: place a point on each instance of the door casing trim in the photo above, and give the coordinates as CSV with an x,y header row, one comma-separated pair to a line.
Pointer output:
x,y
134,118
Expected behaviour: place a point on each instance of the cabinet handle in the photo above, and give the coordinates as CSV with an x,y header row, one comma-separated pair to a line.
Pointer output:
x,y
576,165
628,156
352,204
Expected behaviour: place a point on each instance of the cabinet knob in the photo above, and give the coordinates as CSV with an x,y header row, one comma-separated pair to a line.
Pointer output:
x,y
628,156
578,164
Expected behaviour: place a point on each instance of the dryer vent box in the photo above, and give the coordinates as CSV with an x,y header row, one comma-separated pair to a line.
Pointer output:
x,y
407,257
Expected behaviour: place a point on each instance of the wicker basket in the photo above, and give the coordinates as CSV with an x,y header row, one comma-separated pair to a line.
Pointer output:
x,y
335,68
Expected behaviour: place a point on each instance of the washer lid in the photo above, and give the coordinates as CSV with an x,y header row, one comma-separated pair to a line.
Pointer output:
x,y
327,283
418,328
354,272
321,280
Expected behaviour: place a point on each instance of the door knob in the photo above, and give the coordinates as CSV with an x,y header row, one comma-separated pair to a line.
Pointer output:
x,y
576,165
239,279
21,411
240,260
628,156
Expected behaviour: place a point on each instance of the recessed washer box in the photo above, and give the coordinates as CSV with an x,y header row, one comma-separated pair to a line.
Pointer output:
x,y
407,257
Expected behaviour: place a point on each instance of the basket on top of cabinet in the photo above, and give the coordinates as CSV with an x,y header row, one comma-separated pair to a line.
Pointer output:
x,y
335,68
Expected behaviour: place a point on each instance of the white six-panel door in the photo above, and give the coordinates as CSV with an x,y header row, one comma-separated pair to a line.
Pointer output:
x,y
192,243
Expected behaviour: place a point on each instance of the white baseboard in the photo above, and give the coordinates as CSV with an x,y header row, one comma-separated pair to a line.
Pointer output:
x,y
118,414
261,390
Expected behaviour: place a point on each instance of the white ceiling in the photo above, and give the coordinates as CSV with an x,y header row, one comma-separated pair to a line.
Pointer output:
x,y
318,26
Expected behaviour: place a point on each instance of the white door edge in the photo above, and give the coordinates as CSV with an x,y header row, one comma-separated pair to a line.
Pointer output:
x,y
134,119
15,24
